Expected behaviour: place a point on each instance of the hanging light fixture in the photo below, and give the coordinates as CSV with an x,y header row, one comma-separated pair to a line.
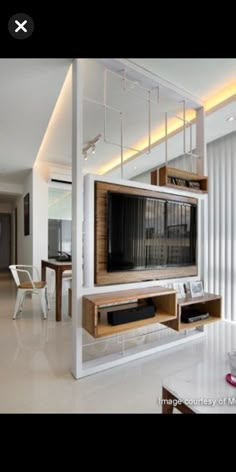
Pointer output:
x,y
90,147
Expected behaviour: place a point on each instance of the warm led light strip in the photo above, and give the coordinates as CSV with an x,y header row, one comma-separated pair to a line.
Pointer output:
x,y
58,109
217,101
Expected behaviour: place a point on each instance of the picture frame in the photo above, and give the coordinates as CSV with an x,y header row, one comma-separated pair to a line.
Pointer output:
x,y
179,288
196,289
187,289
27,214
170,286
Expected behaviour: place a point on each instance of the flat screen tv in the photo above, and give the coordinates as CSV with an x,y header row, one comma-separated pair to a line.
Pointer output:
x,y
150,233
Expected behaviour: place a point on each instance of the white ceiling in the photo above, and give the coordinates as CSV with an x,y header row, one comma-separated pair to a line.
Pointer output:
x,y
136,111
8,198
200,77
29,89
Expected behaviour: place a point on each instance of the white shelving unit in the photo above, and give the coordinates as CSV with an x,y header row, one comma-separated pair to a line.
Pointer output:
x,y
83,258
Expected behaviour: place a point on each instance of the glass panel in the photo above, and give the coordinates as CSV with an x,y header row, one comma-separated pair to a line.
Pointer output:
x,y
59,221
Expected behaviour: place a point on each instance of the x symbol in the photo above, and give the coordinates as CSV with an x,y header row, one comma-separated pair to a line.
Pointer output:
x,y
21,26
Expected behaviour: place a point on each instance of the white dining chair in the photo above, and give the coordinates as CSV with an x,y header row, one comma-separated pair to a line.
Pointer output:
x,y
27,280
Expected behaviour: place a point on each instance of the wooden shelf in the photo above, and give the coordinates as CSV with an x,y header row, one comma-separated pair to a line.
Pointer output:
x,y
212,305
95,306
195,324
104,329
170,173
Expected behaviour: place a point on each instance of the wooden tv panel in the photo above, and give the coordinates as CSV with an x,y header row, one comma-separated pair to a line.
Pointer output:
x,y
102,276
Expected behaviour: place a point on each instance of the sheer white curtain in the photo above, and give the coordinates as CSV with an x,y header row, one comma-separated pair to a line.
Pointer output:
x,y
221,261
219,236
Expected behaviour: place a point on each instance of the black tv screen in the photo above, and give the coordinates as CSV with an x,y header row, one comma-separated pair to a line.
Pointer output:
x,y
150,233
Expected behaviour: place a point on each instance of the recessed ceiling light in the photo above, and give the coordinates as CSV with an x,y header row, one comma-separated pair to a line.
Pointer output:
x,y
135,167
231,118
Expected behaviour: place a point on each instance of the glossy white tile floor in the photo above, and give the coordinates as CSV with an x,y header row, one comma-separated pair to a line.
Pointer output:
x,y
35,359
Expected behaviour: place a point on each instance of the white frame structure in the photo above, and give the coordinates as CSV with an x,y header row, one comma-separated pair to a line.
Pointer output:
x,y
83,222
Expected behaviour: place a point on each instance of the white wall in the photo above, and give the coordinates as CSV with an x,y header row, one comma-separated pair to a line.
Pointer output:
x,y
39,215
60,201
8,207
187,163
31,249
59,172
5,207
25,243
145,178
7,189
10,189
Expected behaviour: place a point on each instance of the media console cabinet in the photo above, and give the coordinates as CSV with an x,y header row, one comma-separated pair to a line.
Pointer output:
x,y
168,309
95,308
209,302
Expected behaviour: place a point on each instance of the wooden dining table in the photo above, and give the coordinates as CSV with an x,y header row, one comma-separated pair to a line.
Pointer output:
x,y
59,268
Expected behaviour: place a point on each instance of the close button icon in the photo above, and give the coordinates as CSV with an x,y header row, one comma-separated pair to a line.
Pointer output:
x,y
20,26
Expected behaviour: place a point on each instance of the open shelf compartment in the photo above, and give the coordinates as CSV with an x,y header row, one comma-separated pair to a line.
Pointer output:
x,y
211,304
191,182
96,324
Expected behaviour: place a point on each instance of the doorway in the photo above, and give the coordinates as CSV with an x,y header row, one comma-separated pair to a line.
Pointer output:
x,y
5,241
16,229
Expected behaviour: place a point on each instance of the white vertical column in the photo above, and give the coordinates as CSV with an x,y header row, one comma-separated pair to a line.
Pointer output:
x,y
200,141
201,168
77,215
210,240
89,243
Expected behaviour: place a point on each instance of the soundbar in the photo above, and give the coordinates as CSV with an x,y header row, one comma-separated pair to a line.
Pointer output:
x,y
139,312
